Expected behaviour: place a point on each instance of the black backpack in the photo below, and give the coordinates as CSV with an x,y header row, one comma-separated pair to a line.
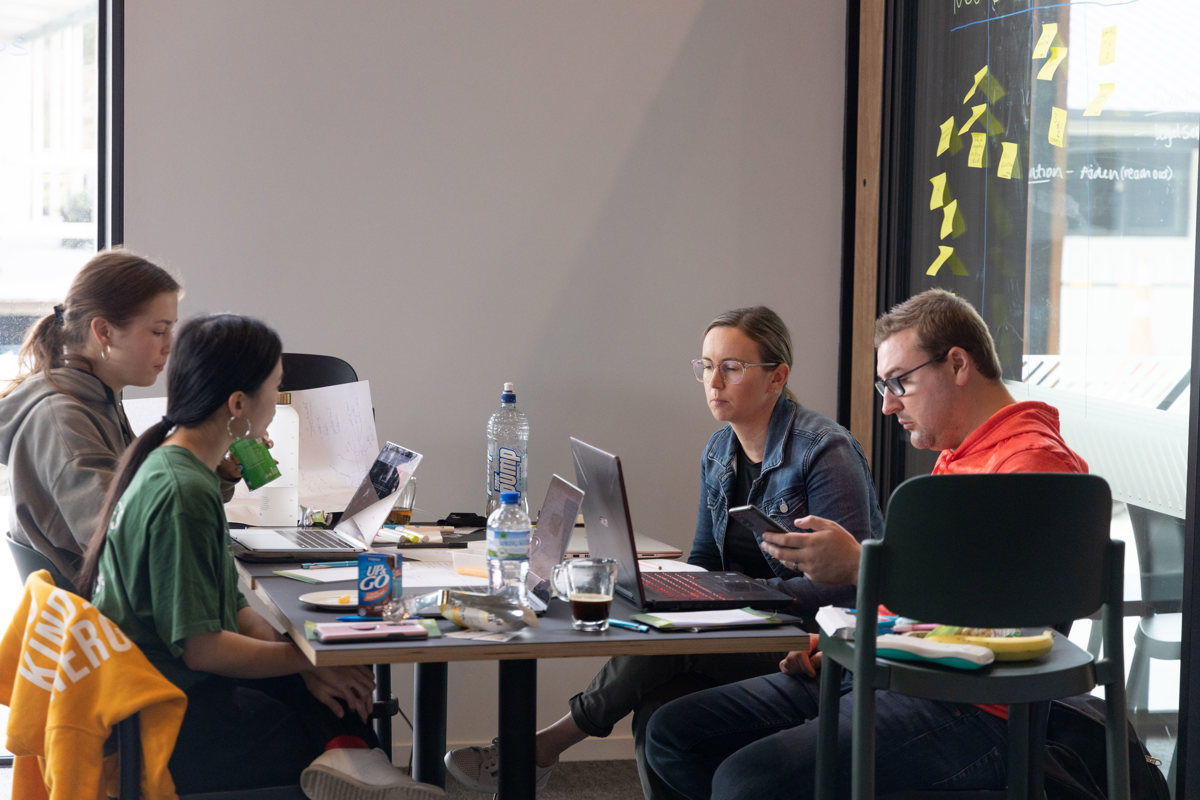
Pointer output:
x,y
1075,759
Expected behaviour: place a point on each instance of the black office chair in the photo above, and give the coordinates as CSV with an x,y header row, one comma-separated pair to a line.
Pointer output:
x,y
989,551
29,561
307,371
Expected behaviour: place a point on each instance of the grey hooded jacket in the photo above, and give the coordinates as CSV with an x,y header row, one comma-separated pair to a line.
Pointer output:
x,y
61,445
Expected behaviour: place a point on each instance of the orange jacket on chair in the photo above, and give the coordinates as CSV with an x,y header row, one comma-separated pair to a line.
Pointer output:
x,y
69,675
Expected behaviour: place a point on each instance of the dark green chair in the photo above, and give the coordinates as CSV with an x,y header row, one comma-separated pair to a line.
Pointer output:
x,y
992,551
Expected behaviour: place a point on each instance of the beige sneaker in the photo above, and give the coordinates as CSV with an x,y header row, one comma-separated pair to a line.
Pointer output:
x,y
358,774
478,768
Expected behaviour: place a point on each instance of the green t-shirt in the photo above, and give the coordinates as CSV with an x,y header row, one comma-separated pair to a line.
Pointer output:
x,y
167,570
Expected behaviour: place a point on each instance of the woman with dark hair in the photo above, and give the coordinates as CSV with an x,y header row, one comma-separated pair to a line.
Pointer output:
x,y
62,427
772,453
160,567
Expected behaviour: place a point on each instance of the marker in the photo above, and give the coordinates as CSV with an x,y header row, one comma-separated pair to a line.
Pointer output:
x,y
629,626
356,618
328,564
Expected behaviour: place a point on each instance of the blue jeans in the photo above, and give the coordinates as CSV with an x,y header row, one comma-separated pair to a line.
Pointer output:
x,y
757,739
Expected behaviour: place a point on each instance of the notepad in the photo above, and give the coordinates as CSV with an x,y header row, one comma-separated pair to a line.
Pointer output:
x,y
716,619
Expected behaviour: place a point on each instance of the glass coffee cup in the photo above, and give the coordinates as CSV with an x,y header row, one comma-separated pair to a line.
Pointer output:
x,y
587,586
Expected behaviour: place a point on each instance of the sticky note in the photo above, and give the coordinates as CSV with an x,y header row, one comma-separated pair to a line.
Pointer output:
x,y
978,77
1049,31
1008,157
947,139
937,198
976,113
944,253
1100,100
946,256
1057,56
1058,126
1108,45
952,221
978,153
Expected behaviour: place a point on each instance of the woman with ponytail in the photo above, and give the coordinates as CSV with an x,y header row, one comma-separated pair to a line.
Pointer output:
x,y
62,426
160,566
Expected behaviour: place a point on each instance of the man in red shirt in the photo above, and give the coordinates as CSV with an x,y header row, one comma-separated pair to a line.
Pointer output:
x,y
939,374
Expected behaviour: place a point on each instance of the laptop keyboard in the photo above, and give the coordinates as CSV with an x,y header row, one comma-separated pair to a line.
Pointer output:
x,y
315,538
675,586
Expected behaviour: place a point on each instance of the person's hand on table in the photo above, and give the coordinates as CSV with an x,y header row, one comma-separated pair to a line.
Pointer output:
x,y
354,686
822,550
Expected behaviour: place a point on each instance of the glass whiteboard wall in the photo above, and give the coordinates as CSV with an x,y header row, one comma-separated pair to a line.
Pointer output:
x,y
1044,166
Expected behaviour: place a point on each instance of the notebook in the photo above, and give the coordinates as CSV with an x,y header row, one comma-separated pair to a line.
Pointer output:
x,y
610,535
364,516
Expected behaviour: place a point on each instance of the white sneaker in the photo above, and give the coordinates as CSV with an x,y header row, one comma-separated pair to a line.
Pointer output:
x,y
478,768
359,774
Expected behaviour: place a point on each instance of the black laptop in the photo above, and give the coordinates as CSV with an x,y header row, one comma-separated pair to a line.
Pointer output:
x,y
610,535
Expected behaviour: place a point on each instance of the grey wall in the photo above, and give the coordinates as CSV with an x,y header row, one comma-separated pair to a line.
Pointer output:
x,y
451,195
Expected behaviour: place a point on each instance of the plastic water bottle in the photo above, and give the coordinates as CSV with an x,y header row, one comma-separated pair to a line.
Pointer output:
x,y
279,500
508,449
508,532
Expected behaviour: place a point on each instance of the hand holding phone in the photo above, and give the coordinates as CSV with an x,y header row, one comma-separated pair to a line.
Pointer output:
x,y
755,520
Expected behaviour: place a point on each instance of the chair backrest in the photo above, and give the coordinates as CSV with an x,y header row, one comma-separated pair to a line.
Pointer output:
x,y
29,561
309,371
1005,550
1159,541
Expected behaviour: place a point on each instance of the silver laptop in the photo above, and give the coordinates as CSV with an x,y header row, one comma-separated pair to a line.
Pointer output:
x,y
548,545
364,516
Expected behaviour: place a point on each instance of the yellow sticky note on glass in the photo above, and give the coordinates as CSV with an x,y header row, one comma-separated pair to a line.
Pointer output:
x,y
937,198
1108,45
1100,100
978,154
948,140
944,253
1057,56
978,77
1058,126
976,113
1008,157
1049,31
953,223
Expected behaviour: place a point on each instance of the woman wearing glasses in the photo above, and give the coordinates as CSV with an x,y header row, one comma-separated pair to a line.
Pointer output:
x,y
772,453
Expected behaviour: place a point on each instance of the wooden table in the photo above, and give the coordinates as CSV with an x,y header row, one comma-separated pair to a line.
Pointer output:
x,y
517,662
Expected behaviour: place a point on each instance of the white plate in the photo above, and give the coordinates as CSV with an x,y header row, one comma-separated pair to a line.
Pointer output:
x,y
329,599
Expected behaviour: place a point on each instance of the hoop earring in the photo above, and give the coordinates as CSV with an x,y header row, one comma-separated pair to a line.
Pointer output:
x,y
104,353
229,428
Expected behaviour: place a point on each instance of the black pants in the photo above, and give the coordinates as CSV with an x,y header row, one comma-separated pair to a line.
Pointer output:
x,y
246,734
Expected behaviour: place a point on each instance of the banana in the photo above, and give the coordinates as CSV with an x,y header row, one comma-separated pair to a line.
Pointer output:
x,y
1006,648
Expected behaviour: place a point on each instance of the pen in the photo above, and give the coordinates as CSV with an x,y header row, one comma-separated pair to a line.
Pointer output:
x,y
327,564
632,626
356,618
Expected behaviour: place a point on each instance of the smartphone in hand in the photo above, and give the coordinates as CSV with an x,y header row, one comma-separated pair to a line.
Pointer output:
x,y
755,520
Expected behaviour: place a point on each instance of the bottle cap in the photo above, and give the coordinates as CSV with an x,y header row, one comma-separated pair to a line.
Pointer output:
x,y
510,498
508,394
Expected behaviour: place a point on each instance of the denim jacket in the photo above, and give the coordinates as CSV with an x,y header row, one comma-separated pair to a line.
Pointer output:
x,y
811,465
